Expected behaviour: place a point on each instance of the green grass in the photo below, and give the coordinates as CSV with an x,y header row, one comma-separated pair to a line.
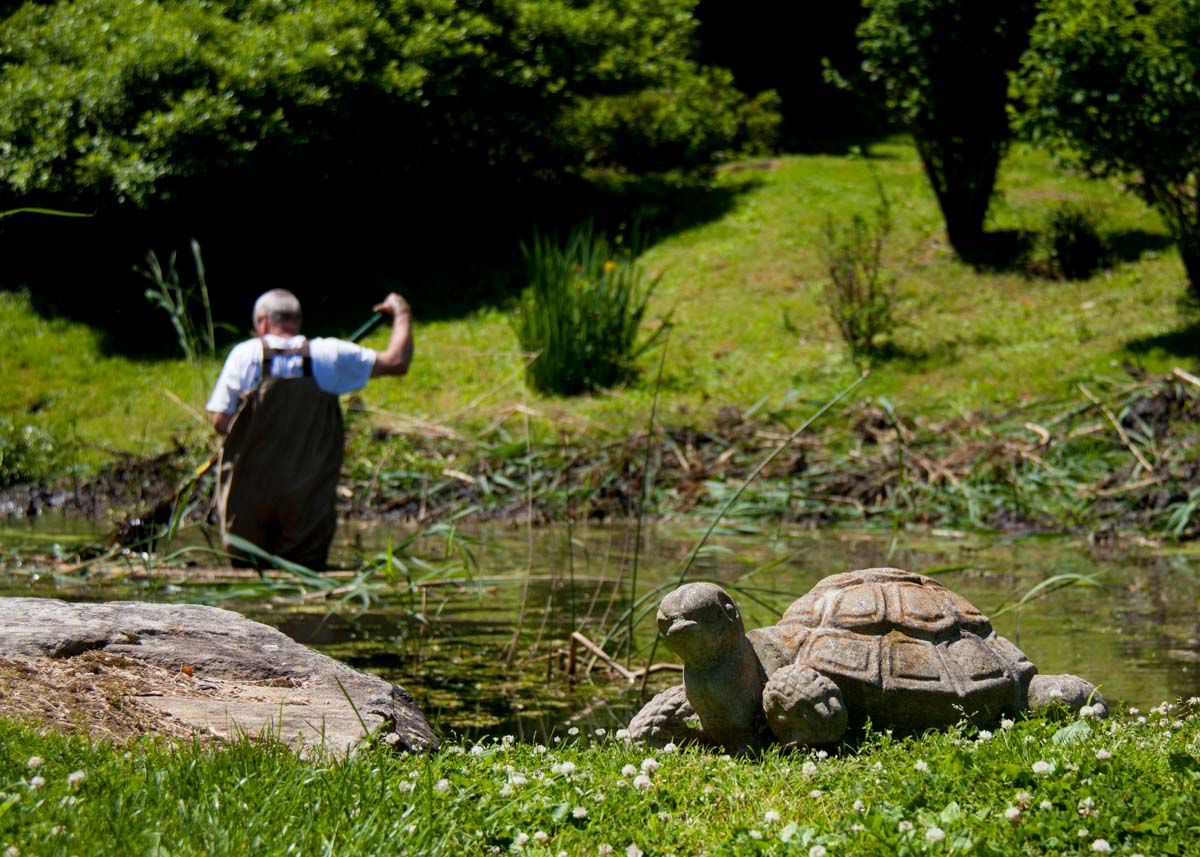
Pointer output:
x,y
1038,787
743,293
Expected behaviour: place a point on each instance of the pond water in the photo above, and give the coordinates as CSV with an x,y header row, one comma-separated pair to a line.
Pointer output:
x,y
477,624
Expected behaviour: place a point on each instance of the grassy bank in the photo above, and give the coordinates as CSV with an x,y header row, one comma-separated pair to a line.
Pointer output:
x,y
1036,787
750,337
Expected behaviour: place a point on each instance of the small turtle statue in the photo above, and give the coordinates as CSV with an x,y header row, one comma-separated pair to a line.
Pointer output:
x,y
891,646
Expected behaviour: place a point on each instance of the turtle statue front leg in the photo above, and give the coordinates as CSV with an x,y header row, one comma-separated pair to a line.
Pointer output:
x,y
1070,691
668,718
803,707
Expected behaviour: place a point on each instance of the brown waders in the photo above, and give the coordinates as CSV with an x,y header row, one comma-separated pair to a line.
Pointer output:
x,y
279,466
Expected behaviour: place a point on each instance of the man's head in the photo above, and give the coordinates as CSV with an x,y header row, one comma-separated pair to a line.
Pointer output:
x,y
277,311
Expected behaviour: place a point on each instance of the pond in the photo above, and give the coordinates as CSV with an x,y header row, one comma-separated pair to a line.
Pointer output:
x,y
477,623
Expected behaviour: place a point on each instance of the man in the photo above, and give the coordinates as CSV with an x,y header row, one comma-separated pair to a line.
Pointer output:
x,y
276,400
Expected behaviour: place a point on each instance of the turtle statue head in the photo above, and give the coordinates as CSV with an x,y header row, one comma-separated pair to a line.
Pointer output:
x,y
700,623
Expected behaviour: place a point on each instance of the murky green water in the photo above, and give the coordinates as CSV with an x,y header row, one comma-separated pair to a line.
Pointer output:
x,y
483,646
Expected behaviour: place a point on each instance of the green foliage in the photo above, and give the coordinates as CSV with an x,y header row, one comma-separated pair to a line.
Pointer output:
x,y
860,295
113,101
1114,86
581,312
1069,247
698,119
26,453
944,65
170,295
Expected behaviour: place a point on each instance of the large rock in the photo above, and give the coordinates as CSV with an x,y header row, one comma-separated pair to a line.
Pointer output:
x,y
205,669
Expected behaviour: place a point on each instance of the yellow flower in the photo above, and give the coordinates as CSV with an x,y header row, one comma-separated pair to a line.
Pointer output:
x,y
610,265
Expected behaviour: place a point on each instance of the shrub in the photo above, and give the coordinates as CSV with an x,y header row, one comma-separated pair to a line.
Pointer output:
x,y
26,453
581,312
859,293
1113,86
1070,246
110,101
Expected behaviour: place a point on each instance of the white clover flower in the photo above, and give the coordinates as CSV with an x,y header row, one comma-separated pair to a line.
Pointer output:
x,y
633,851
477,750
506,790
857,806
664,816
1082,833
809,768
771,816
1133,711
1101,846
579,812
35,762
441,785
1103,754
815,793
904,826
521,839
598,797
1046,805
1087,806
756,834
604,850
574,730
822,754
622,734
921,766
1042,769
405,786
629,771
984,735
669,748
935,834
600,732
508,740
11,851
1006,724
1012,813
519,779
539,749
649,766
641,781
541,836
1087,711
567,767
76,778
1142,720
36,782
817,851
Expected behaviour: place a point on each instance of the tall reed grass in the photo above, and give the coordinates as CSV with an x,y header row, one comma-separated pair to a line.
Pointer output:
x,y
581,312
196,339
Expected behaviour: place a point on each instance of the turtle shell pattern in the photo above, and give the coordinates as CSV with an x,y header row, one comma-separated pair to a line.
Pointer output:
x,y
904,650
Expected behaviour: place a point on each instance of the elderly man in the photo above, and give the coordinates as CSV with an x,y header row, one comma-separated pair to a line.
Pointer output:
x,y
276,400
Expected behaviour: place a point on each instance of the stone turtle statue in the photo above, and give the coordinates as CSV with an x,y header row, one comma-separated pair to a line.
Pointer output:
x,y
891,646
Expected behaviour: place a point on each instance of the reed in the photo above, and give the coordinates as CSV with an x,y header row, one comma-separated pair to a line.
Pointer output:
x,y
581,312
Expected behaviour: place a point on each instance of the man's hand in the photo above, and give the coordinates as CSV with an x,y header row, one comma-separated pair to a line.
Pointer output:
x,y
393,305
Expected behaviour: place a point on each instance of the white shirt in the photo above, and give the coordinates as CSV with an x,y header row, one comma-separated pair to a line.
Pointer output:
x,y
337,367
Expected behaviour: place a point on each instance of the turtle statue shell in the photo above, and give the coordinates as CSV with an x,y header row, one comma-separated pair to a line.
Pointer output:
x,y
904,650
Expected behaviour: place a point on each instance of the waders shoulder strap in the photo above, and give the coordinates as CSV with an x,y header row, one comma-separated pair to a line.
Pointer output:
x,y
269,354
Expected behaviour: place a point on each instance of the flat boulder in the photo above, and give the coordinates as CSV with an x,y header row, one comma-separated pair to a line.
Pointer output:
x,y
126,668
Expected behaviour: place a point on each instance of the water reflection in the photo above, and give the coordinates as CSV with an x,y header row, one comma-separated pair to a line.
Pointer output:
x,y
487,652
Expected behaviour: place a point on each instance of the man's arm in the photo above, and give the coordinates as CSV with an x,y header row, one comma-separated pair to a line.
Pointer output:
x,y
395,359
222,422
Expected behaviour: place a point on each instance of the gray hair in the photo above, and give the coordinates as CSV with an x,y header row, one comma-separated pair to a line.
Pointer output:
x,y
278,306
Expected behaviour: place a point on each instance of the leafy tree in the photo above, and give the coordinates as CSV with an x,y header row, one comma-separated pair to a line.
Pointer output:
x,y
944,65
1114,86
